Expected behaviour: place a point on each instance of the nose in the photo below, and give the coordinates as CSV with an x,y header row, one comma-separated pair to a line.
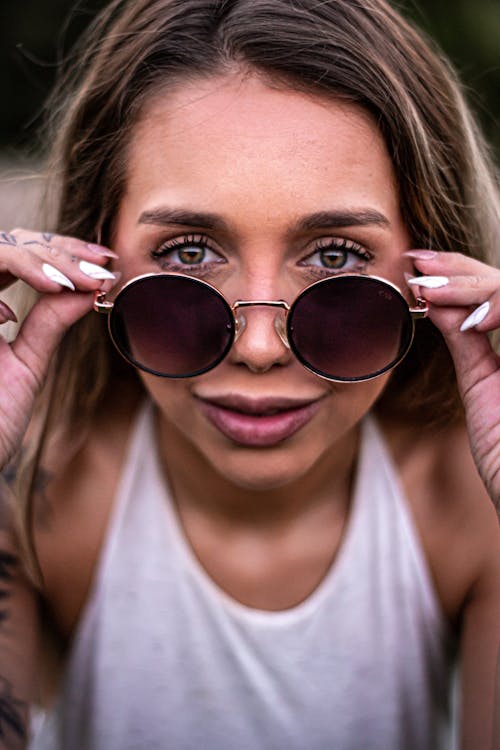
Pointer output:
x,y
260,341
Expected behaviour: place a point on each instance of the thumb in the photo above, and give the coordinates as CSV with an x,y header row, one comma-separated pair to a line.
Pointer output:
x,y
44,327
474,358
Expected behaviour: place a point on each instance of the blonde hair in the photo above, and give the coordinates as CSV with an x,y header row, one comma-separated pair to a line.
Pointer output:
x,y
359,52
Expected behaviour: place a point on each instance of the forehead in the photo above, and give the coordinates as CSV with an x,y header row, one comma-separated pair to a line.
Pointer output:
x,y
235,134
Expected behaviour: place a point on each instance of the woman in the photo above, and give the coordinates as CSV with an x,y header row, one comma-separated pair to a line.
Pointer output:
x,y
271,530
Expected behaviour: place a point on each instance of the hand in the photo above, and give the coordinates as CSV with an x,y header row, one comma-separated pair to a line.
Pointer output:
x,y
464,300
65,272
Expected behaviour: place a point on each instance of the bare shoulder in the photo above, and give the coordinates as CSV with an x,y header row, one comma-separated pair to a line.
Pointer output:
x,y
453,513
73,503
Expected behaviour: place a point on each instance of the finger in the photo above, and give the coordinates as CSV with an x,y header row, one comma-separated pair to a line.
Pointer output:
x,y
455,291
485,317
43,328
473,355
71,245
55,249
49,275
435,263
60,249
6,314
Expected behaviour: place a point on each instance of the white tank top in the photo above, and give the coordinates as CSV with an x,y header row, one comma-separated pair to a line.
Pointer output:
x,y
163,659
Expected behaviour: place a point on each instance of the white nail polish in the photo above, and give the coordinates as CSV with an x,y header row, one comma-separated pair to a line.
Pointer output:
x,y
55,275
94,271
476,317
428,282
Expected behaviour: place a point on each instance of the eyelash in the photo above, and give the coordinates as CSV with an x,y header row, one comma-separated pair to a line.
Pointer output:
x,y
180,243
342,245
203,242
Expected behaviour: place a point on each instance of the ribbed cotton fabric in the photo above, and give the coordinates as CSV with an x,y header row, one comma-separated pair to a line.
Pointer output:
x,y
163,659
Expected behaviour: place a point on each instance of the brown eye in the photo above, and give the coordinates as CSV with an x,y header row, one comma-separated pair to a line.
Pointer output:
x,y
191,255
332,257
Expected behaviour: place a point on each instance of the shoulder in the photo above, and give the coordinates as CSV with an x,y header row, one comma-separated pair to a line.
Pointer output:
x,y
72,507
453,514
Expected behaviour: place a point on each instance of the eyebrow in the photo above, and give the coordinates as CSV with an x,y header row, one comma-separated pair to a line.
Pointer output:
x,y
163,216
336,219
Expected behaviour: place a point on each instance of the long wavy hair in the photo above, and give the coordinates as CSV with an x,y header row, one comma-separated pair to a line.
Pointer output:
x,y
358,51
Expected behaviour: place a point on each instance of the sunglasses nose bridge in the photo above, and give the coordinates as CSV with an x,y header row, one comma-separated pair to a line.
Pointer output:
x,y
281,308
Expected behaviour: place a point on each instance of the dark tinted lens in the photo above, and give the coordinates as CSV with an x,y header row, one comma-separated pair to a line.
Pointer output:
x,y
350,327
172,326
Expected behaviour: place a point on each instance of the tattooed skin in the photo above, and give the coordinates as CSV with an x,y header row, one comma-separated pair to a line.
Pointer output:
x,y
8,563
12,722
7,239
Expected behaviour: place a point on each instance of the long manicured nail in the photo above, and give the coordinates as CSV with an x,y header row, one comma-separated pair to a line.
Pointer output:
x,y
104,252
476,317
55,275
95,272
428,282
420,254
6,314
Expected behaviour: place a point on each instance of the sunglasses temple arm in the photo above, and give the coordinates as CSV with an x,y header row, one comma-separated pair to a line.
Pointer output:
x,y
101,305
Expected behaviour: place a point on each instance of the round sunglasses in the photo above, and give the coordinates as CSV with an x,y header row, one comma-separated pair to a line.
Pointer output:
x,y
345,328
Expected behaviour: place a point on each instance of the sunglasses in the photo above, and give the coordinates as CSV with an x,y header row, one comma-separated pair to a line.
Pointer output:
x,y
345,328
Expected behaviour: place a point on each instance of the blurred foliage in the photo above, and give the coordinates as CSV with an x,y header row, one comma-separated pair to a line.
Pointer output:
x,y
36,34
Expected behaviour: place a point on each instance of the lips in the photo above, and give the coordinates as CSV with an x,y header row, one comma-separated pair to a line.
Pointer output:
x,y
258,423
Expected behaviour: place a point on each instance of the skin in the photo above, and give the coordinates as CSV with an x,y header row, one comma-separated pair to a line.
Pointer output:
x,y
262,159
265,169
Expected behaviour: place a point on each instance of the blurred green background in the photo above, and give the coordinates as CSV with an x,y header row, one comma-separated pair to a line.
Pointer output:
x,y
36,34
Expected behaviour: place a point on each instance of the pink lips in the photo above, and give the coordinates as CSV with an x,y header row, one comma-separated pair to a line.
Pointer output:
x,y
258,423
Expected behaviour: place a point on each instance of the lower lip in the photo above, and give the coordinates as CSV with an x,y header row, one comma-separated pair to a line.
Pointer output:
x,y
258,431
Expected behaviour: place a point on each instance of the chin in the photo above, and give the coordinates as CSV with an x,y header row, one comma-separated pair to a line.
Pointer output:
x,y
264,470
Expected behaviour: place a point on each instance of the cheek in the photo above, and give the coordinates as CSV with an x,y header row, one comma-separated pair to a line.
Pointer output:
x,y
172,397
350,402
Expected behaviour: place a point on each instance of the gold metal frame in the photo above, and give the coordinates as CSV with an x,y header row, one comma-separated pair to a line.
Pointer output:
x,y
105,306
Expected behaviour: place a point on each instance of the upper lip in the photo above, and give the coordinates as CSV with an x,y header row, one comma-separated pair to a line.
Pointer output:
x,y
264,405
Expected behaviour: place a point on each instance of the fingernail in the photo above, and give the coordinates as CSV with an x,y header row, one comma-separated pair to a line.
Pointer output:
x,y
428,282
93,271
6,314
476,317
55,275
420,254
102,251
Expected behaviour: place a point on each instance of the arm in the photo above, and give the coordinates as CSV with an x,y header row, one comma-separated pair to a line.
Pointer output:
x,y
465,306
18,639
480,654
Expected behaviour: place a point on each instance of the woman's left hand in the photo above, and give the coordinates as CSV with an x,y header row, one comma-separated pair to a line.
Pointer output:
x,y
464,301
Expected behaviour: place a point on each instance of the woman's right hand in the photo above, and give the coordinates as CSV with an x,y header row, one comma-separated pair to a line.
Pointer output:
x,y
65,272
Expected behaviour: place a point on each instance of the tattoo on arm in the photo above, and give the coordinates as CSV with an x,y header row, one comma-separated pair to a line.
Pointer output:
x,y
8,563
12,713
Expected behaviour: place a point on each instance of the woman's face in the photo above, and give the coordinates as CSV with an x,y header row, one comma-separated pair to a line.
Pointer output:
x,y
259,191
